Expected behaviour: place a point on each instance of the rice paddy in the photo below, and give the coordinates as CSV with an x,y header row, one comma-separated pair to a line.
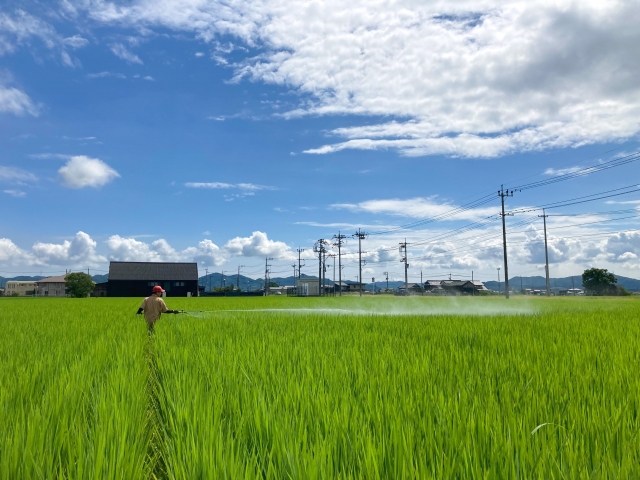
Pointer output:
x,y
304,388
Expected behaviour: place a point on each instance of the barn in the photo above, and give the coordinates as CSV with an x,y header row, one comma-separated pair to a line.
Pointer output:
x,y
136,279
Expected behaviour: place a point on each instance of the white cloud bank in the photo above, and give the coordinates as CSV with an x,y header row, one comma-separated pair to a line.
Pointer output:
x,y
81,251
81,171
478,79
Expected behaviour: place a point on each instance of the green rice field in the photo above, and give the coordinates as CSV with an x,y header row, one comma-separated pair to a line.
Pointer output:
x,y
311,388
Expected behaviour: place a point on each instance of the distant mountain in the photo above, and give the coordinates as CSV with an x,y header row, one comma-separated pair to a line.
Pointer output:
x,y
100,278
540,283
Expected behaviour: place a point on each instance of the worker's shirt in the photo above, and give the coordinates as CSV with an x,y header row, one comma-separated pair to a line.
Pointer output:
x,y
153,307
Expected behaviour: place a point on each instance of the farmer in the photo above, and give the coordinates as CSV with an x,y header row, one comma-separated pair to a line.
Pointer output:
x,y
153,307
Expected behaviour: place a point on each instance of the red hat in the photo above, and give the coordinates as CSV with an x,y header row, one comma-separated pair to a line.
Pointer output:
x,y
157,289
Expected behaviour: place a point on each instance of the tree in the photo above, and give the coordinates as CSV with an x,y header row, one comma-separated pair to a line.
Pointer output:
x,y
598,281
273,284
227,288
79,284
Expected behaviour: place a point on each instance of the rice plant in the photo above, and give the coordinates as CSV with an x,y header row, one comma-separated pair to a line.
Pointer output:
x,y
275,388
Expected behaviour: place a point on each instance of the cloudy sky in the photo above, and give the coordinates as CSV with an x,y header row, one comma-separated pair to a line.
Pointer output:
x,y
226,132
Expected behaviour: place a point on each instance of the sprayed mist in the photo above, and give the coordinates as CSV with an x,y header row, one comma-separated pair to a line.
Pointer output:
x,y
404,307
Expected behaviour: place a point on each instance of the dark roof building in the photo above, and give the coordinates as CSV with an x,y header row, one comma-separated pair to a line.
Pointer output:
x,y
137,279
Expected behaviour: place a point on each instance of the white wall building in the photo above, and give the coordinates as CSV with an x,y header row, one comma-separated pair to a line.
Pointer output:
x,y
23,289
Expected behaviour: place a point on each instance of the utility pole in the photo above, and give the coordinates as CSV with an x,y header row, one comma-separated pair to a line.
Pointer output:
x,y
386,274
266,275
332,255
206,273
420,276
300,250
238,279
320,250
405,260
498,279
294,272
339,241
505,193
473,285
361,236
222,280
546,251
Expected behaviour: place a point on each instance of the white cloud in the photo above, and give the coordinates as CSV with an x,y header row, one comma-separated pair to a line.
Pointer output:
x,y
119,50
18,29
106,74
258,245
247,187
14,174
482,78
206,253
199,54
11,253
15,193
149,78
414,207
562,171
76,41
81,171
80,251
16,101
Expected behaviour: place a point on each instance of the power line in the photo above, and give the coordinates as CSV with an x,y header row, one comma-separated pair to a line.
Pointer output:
x,y
616,162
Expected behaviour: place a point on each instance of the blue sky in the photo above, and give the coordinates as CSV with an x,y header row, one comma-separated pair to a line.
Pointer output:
x,y
224,133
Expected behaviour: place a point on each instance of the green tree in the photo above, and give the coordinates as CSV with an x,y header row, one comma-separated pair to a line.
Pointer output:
x,y
79,284
273,284
598,281
227,288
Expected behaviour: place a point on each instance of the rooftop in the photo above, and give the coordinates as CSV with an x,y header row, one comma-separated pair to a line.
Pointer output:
x,y
153,271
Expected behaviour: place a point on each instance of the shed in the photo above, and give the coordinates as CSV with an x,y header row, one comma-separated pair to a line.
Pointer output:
x,y
137,279
52,286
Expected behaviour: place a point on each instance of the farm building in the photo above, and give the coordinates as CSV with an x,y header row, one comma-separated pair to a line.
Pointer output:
x,y
15,287
136,279
307,287
52,287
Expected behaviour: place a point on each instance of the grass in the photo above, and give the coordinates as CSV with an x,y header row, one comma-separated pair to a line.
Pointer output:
x,y
546,388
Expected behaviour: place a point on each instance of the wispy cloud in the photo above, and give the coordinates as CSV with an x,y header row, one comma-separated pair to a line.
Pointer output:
x,y
106,74
15,193
46,156
14,174
562,171
119,50
221,185
414,207
13,100
353,226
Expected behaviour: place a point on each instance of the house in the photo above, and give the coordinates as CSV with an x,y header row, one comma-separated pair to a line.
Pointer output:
x,y
433,286
137,279
20,288
413,289
454,287
357,287
342,287
461,287
52,287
